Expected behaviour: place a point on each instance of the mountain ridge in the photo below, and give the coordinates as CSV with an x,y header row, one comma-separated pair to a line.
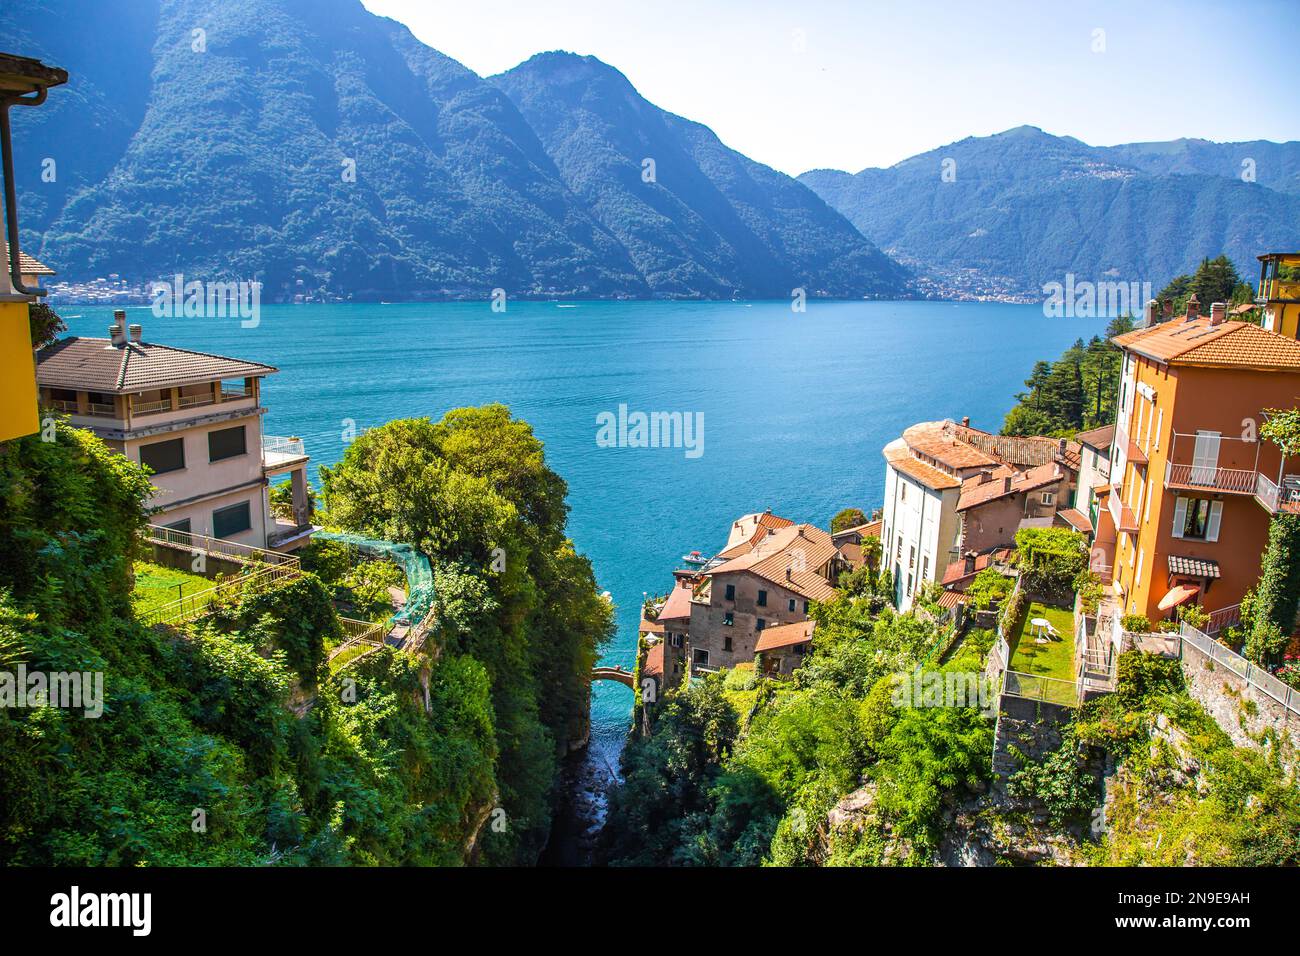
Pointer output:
x,y
328,153
1024,207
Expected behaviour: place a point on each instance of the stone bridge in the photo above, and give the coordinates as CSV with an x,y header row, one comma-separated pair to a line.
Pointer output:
x,y
612,673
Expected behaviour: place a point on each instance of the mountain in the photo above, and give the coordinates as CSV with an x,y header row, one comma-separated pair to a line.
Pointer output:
x,y
1023,207
325,150
692,213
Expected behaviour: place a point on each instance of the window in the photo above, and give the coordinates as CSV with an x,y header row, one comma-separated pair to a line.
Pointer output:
x,y
1198,519
1049,497
232,520
729,619
226,443
791,604
762,598
700,656
726,643
164,456
731,592
925,568
805,607
902,491
182,525
675,640
898,551
761,624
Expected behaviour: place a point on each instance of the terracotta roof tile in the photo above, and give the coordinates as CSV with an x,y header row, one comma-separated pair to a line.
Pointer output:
x,y
30,266
975,492
789,557
677,606
1199,343
1098,438
1076,519
785,635
654,662
927,475
934,440
97,365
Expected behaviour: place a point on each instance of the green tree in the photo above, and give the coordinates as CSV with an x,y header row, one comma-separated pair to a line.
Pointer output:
x,y
848,518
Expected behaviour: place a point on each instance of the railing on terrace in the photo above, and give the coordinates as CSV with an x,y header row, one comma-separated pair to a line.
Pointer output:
x,y
151,408
1223,618
1277,498
229,394
194,401
192,606
101,409
360,634
1240,481
1051,690
216,547
63,405
286,447
1252,674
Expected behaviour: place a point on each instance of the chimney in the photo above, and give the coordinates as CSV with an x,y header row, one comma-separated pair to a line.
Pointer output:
x,y
1169,308
136,332
1061,447
965,421
1006,484
117,331
1218,313
968,562
1149,317
1193,308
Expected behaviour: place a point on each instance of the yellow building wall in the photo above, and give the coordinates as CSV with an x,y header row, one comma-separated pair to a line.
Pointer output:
x,y
18,412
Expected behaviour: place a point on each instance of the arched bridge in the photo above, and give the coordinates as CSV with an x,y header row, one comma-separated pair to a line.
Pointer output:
x,y
612,673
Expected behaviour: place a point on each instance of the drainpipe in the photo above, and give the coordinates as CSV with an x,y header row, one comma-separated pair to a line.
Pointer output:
x,y
11,195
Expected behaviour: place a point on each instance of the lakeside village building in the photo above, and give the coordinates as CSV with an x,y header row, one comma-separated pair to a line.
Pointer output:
x,y
195,420
1175,498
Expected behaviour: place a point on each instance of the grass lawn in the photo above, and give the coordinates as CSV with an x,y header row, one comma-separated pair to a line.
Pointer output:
x,y
1053,659
156,585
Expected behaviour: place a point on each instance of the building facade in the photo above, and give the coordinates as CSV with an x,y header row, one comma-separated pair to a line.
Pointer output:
x,y
1192,487
929,469
194,420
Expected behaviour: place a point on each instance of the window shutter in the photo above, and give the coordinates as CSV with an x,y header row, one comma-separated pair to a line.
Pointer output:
x,y
1180,516
1216,516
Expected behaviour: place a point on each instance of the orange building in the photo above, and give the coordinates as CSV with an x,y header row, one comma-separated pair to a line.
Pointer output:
x,y
1192,488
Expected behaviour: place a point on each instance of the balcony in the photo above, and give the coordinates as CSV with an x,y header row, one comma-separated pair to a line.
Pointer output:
x,y
197,401
151,408
1230,481
279,453
1278,499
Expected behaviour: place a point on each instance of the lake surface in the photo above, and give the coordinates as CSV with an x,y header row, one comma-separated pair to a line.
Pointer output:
x,y
796,407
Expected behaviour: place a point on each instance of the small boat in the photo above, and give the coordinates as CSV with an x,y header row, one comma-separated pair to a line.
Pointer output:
x,y
695,558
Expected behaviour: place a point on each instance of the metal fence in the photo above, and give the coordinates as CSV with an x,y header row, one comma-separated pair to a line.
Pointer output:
x,y
195,605
1252,674
216,547
1052,690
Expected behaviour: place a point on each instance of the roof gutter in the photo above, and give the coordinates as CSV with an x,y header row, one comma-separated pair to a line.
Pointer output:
x,y
11,197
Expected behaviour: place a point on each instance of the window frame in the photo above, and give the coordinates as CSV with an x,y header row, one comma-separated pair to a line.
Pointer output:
x,y
243,431
178,442
246,505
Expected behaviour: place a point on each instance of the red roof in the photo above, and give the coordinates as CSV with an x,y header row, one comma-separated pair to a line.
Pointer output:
x,y
785,635
654,662
677,606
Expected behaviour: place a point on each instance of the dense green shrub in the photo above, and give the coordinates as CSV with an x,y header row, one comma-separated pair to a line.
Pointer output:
x,y
1051,560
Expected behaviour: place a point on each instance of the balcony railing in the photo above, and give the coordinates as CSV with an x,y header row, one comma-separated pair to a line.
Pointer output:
x,y
196,401
101,409
1237,481
283,447
1277,498
151,408
229,394
1223,618
63,405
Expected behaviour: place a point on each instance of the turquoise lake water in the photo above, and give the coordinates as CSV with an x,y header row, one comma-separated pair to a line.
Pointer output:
x,y
796,406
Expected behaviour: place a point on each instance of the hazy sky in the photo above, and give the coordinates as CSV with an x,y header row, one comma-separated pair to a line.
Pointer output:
x,y
835,83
